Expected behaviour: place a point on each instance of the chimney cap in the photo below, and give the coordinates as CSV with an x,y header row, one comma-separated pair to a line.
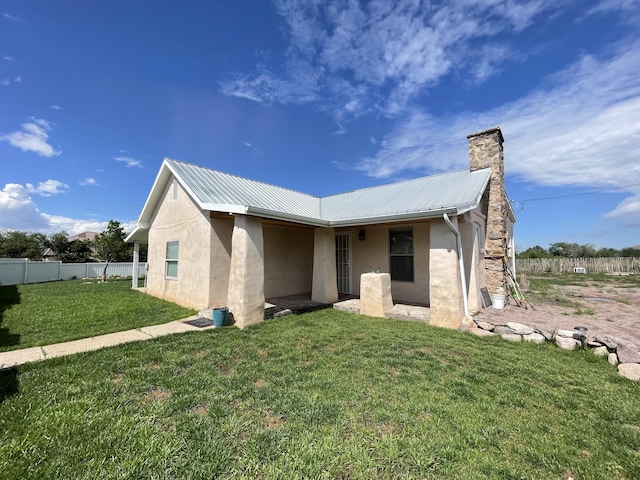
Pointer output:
x,y
487,132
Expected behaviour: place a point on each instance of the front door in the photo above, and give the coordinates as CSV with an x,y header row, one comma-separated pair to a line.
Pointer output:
x,y
343,262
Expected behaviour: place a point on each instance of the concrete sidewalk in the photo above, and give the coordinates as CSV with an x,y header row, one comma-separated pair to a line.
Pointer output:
x,y
15,358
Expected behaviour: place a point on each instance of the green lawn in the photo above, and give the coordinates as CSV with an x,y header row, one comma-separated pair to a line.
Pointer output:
x,y
321,395
45,313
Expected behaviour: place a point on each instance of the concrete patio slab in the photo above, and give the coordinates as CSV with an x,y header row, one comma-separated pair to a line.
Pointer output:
x,y
19,357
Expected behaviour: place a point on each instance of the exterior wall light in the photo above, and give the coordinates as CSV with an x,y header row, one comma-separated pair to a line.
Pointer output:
x,y
361,235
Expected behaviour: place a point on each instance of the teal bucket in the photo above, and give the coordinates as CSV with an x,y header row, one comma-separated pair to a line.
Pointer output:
x,y
220,316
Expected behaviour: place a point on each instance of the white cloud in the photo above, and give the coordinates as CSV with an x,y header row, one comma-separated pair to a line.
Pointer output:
x,y
33,138
5,82
11,17
18,79
18,211
131,162
56,107
8,58
580,129
352,57
48,188
90,182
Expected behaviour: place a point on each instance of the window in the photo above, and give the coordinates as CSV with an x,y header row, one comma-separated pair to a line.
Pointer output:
x,y
401,255
171,262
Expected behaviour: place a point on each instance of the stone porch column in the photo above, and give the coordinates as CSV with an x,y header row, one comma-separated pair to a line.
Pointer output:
x,y
325,287
246,275
445,292
136,261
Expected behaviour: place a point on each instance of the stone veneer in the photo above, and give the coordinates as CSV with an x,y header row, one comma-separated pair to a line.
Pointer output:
x,y
485,151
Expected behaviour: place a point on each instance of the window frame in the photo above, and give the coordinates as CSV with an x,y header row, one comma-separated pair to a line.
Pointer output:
x,y
393,233
170,261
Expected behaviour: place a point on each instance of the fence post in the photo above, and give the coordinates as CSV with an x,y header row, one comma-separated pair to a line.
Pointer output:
x,y
26,270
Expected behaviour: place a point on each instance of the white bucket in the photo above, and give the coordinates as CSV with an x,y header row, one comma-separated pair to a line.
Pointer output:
x,y
498,301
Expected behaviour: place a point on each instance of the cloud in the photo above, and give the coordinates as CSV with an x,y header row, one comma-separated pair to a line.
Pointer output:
x,y
11,17
33,138
18,211
8,58
579,128
351,58
131,162
5,82
89,181
55,107
46,189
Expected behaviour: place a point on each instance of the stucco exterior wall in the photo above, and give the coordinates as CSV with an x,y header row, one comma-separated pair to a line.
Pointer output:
x,y
373,252
180,220
288,260
220,260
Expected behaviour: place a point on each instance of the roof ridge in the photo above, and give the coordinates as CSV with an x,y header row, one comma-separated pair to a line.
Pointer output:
x,y
410,180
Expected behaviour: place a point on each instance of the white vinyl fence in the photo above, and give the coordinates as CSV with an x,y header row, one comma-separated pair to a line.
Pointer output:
x,y
14,271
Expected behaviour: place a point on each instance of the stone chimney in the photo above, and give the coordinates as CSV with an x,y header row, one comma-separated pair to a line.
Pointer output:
x,y
485,151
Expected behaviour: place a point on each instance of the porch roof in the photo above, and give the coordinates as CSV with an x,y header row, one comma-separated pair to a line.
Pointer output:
x,y
420,198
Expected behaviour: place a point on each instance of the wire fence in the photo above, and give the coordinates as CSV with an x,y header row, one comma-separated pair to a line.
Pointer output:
x,y
572,265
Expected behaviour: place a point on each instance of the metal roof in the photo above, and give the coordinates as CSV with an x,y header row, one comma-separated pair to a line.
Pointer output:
x,y
425,197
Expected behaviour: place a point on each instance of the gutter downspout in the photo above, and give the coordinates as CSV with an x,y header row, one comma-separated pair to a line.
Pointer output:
x,y
463,282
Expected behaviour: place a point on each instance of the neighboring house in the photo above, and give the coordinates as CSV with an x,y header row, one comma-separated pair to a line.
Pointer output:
x,y
217,239
49,254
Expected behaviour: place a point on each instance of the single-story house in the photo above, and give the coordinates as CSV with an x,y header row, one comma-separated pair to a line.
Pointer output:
x,y
217,239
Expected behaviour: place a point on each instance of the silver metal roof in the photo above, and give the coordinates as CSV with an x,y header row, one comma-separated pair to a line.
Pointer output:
x,y
425,197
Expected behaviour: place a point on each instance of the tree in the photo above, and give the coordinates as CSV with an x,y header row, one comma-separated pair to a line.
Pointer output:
x,y
111,247
16,244
75,251
534,252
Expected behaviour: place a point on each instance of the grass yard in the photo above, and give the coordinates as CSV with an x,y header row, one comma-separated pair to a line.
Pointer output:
x,y
46,313
322,395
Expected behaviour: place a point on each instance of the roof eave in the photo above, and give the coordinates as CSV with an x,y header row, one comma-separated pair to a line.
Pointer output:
x,y
395,217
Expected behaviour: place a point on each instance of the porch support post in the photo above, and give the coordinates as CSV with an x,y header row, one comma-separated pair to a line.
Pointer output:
x,y
447,308
472,265
246,275
324,288
136,261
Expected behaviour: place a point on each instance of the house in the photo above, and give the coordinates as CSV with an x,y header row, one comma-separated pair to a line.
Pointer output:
x,y
217,239
49,255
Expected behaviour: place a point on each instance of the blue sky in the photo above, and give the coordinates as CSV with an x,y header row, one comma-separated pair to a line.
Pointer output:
x,y
321,97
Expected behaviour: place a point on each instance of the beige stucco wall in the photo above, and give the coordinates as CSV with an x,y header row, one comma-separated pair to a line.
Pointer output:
x,y
373,252
288,260
180,220
220,260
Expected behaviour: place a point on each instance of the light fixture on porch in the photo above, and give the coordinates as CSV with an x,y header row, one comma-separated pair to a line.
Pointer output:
x,y
361,236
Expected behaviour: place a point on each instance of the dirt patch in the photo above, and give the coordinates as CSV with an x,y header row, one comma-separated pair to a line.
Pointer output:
x,y
273,421
259,383
157,395
602,308
201,410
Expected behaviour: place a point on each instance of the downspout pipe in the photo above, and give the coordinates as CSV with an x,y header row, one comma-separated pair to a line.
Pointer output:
x,y
463,276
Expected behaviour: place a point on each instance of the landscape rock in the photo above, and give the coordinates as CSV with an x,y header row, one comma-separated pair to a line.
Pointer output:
x,y
569,334
630,370
481,333
545,333
567,343
534,337
601,351
612,358
512,337
486,326
520,328
594,344
613,342
463,327
626,354
503,330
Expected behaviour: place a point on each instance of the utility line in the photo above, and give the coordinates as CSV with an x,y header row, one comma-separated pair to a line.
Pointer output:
x,y
593,192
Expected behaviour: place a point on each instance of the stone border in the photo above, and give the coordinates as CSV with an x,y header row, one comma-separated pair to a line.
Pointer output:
x,y
620,352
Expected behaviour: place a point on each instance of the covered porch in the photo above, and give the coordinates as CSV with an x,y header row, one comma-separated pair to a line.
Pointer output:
x,y
279,306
